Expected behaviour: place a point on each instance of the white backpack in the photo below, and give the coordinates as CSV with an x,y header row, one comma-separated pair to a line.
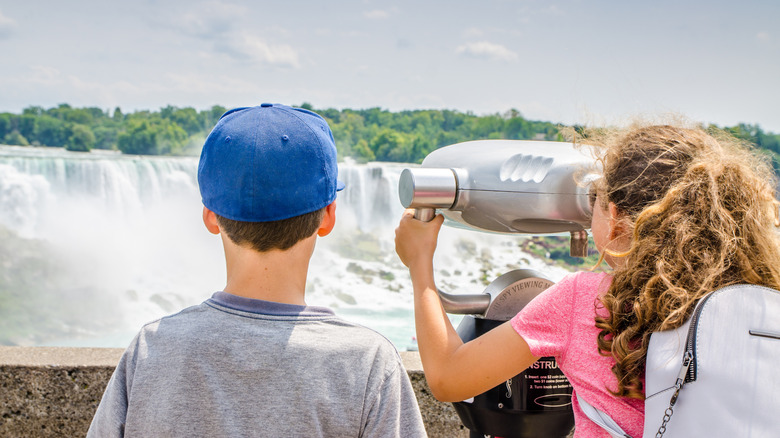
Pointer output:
x,y
716,376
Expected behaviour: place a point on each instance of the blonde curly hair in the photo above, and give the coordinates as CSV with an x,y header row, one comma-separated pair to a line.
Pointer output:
x,y
701,209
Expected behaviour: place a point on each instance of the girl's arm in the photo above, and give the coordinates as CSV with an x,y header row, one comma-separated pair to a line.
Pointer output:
x,y
455,371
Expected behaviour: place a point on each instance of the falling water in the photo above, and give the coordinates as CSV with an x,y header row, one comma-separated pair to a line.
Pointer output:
x,y
96,244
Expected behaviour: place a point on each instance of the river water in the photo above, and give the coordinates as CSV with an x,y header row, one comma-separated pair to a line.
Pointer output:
x,y
96,244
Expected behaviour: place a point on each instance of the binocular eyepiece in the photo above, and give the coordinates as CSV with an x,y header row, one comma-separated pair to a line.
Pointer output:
x,y
506,186
427,189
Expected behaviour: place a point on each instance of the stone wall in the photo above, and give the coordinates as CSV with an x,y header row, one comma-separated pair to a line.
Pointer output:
x,y
53,392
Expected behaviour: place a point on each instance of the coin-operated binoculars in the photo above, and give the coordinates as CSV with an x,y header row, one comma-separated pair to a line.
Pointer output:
x,y
515,187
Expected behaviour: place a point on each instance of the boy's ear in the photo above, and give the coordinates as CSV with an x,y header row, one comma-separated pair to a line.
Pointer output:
x,y
210,220
328,220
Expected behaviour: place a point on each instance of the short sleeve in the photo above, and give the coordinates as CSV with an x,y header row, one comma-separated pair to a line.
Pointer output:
x,y
394,411
111,415
545,323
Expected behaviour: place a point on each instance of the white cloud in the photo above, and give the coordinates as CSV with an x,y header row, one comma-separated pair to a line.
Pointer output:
x,y
7,26
248,47
376,14
257,49
217,25
210,19
486,50
45,75
763,36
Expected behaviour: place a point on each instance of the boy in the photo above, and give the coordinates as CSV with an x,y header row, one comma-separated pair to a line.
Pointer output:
x,y
254,360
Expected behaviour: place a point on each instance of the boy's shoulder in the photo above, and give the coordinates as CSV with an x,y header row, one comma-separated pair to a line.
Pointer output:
x,y
226,317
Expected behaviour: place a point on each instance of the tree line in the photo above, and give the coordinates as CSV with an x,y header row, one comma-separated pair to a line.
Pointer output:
x,y
372,134
170,131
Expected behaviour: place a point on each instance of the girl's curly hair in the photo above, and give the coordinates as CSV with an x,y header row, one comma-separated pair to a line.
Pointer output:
x,y
702,212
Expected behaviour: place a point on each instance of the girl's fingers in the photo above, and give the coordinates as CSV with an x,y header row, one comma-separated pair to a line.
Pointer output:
x,y
415,241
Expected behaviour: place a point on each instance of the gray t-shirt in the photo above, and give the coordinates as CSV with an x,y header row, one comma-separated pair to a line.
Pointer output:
x,y
234,366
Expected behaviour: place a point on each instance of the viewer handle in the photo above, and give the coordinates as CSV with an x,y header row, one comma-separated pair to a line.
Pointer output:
x,y
424,214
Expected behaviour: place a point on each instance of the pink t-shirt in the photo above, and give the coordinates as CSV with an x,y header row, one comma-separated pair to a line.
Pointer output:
x,y
560,323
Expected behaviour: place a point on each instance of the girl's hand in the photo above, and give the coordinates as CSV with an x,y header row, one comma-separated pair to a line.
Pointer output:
x,y
415,240
454,371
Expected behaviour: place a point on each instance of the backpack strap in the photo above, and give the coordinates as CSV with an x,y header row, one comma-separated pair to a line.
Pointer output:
x,y
602,419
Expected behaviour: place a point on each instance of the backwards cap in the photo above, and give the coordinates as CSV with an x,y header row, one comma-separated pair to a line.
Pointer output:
x,y
268,163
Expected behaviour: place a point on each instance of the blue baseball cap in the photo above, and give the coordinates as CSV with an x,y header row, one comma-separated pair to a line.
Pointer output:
x,y
268,163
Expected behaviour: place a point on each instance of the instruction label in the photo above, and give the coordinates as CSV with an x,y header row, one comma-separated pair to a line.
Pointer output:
x,y
546,385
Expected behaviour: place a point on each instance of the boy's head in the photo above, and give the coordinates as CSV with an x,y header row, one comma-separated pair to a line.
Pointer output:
x,y
267,172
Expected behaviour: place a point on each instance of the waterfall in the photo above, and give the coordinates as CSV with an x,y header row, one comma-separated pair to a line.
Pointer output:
x,y
96,244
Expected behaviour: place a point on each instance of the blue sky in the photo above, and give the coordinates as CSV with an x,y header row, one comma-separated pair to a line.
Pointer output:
x,y
561,61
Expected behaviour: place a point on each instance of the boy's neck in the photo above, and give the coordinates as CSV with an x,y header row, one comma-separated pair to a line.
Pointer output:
x,y
276,275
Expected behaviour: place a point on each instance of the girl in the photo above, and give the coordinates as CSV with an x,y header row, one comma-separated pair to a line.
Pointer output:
x,y
677,214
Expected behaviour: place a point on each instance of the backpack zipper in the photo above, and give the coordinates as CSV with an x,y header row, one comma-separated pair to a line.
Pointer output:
x,y
690,344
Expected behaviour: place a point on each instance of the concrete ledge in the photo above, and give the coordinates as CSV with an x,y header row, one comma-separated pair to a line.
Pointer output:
x,y
54,391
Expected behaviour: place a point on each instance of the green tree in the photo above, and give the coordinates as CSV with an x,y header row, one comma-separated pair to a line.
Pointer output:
x,y
362,152
82,116
390,145
212,115
147,135
365,134
348,131
105,137
33,111
331,114
171,139
421,122
140,138
377,116
26,125
6,125
485,127
517,128
186,118
50,131
15,138
421,146
81,139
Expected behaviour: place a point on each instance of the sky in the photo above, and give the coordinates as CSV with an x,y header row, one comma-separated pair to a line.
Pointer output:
x,y
569,61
